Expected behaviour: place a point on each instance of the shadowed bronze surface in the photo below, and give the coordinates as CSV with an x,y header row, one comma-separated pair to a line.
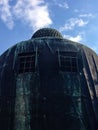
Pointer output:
x,y
48,83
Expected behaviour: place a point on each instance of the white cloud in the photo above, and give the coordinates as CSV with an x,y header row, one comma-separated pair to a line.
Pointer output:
x,y
76,11
35,13
81,39
5,13
73,22
77,38
61,4
94,47
89,15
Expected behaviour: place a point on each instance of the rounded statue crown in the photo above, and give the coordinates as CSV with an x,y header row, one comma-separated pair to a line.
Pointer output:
x,y
47,32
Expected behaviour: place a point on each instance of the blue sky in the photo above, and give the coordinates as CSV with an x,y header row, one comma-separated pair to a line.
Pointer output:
x,y
77,20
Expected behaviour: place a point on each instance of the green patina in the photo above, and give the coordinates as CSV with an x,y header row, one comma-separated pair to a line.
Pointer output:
x,y
60,93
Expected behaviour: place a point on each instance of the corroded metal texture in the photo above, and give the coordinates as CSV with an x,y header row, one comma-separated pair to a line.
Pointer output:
x,y
47,32
52,96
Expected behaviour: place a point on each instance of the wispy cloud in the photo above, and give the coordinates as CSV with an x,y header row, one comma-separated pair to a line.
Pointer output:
x,y
94,47
5,13
77,38
61,4
89,15
72,23
81,38
76,10
33,12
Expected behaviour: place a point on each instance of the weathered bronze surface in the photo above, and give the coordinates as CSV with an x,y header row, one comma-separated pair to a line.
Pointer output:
x,y
61,93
